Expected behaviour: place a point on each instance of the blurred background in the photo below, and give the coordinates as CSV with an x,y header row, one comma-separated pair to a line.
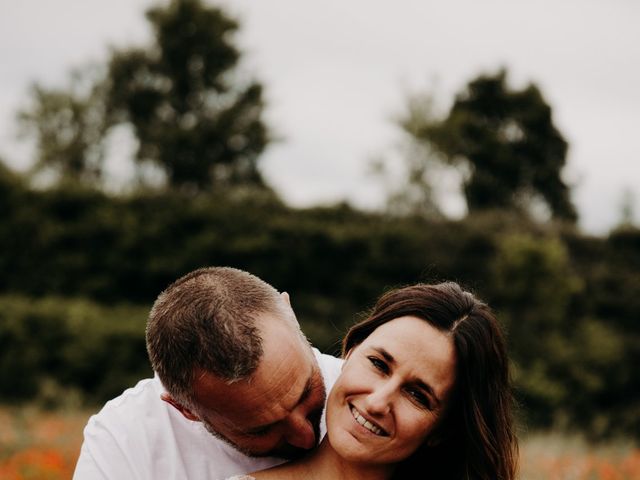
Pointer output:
x,y
335,150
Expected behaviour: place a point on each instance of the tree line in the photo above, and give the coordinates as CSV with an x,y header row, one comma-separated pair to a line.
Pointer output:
x,y
197,120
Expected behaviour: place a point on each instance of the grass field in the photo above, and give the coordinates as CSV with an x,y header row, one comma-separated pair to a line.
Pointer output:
x,y
39,445
45,445
557,457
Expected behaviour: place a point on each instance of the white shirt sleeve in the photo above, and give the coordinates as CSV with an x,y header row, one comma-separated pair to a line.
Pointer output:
x,y
104,456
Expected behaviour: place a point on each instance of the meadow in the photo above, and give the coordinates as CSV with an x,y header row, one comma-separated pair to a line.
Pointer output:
x,y
44,445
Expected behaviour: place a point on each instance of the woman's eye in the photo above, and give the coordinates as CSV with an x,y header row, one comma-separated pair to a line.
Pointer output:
x,y
419,397
379,364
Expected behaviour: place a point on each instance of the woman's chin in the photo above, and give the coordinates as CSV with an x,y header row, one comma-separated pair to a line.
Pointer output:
x,y
352,447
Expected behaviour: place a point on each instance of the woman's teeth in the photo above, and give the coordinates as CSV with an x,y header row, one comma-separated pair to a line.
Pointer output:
x,y
365,423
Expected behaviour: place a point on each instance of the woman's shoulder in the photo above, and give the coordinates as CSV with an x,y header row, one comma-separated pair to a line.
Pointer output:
x,y
241,477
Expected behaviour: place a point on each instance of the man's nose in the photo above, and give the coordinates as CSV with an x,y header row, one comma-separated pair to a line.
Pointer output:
x,y
300,432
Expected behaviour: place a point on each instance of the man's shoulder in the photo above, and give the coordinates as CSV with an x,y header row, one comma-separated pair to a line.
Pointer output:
x,y
138,435
324,359
138,414
145,394
329,365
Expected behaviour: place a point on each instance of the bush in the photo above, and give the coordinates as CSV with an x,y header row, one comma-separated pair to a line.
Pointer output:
x,y
69,346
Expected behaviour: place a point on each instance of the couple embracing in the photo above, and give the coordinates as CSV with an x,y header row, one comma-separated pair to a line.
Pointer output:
x,y
422,391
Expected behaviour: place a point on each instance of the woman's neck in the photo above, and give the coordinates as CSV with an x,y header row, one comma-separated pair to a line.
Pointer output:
x,y
324,463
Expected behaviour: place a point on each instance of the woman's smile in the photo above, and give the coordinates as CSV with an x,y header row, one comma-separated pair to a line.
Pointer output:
x,y
368,425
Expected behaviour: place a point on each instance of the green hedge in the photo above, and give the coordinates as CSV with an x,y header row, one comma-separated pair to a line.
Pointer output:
x,y
570,302
52,346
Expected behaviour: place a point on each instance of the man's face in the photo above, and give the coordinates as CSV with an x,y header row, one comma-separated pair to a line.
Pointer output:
x,y
275,412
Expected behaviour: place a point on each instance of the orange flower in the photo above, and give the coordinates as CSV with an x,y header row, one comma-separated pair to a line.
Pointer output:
x,y
36,464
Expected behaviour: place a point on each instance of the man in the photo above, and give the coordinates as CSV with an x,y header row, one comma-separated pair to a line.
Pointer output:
x,y
237,387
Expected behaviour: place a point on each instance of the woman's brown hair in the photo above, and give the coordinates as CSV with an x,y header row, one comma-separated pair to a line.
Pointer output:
x,y
475,439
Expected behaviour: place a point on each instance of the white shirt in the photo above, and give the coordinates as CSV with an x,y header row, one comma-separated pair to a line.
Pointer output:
x,y
139,436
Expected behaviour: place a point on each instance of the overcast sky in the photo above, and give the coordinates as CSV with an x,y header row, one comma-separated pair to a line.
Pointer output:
x,y
336,71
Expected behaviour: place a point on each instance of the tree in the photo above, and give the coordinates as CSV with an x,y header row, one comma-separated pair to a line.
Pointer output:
x,y
69,126
11,185
411,175
505,141
627,212
181,96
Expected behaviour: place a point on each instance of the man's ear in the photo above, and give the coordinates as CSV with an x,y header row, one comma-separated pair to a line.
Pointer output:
x,y
287,301
187,413
285,297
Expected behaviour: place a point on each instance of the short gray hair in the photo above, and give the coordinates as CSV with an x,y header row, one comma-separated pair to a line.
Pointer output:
x,y
206,320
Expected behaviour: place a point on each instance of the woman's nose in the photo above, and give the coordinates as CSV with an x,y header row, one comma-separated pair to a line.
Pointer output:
x,y
378,402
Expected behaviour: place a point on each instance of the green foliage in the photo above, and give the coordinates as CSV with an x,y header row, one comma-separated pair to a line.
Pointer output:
x,y
69,126
11,185
533,281
417,193
188,109
573,356
505,142
627,208
569,301
534,285
69,345
192,113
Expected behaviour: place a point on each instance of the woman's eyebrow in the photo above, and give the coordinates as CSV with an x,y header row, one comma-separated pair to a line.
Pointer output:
x,y
386,355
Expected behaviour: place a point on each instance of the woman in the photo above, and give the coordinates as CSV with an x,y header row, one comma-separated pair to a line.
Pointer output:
x,y
424,392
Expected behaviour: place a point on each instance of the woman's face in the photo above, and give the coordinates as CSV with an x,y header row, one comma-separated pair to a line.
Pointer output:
x,y
393,389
